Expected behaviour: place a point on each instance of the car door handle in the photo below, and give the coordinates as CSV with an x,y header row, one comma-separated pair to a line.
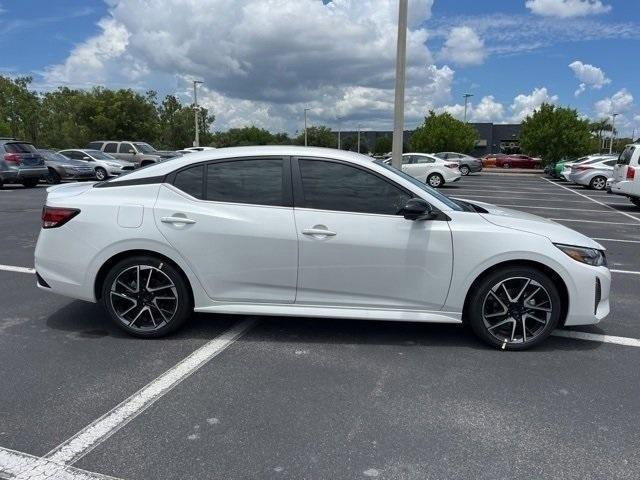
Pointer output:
x,y
318,232
183,220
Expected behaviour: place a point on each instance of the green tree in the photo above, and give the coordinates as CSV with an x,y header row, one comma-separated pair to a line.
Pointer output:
x,y
246,136
177,124
318,136
554,133
441,133
19,109
382,146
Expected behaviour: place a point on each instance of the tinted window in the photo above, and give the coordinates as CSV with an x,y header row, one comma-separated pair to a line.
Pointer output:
x,y
610,162
125,147
422,159
110,147
191,181
408,159
259,182
73,154
98,155
95,145
335,186
625,156
19,147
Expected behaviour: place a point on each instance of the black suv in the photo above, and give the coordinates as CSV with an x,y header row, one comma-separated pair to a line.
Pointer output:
x,y
20,162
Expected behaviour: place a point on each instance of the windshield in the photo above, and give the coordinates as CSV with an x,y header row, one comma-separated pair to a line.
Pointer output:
x,y
144,147
431,191
99,155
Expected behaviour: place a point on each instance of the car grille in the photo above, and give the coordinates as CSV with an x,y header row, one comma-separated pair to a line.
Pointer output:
x,y
598,295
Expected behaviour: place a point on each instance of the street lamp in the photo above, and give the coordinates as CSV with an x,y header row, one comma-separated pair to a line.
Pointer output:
x,y
358,138
401,64
305,125
196,142
339,133
466,99
613,131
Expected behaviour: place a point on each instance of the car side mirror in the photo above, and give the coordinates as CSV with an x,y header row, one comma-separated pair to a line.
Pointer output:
x,y
418,209
132,151
87,158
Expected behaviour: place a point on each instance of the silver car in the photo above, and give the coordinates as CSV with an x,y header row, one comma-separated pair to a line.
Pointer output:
x,y
140,153
468,164
104,164
593,174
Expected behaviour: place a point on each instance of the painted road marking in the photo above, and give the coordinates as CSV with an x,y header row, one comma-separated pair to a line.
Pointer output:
x,y
595,201
551,208
596,337
626,272
11,268
594,221
22,466
472,195
74,448
615,240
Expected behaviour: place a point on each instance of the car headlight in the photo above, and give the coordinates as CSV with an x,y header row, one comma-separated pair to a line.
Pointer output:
x,y
116,165
590,256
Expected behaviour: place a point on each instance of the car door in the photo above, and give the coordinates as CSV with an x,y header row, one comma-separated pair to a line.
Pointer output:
x,y
126,152
418,166
356,250
623,163
232,221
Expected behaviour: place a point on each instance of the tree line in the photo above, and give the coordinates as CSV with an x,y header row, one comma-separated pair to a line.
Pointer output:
x,y
67,118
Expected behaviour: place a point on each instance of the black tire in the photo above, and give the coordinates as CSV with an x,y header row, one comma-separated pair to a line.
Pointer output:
x,y
101,174
598,183
435,180
635,201
148,318
488,294
53,178
30,182
464,170
506,165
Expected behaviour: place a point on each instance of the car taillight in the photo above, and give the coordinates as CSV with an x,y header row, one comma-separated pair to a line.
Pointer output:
x,y
12,158
451,165
631,173
53,217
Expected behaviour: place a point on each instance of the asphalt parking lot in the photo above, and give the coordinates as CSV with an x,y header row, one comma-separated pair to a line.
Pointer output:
x,y
234,398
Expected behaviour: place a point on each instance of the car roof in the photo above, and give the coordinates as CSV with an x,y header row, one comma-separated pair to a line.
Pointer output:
x,y
161,169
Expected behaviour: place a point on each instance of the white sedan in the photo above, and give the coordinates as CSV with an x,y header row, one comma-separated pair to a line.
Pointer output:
x,y
430,169
295,231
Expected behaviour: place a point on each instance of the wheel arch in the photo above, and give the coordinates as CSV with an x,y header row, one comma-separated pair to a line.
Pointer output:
x,y
550,272
107,265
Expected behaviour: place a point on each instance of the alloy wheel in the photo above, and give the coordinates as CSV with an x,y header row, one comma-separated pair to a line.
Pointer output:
x,y
516,310
464,170
598,183
144,298
435,181
101,174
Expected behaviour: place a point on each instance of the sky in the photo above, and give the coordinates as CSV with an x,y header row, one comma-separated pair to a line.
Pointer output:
x,y
264,61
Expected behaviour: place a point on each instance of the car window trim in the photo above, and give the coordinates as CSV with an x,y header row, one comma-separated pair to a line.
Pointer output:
x,y
298,195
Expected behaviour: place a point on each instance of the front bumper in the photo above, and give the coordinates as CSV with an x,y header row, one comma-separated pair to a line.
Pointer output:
x,y
589,297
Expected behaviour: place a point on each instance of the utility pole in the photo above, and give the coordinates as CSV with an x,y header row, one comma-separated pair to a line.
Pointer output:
x,y
401,65
305,125
196,142
339,133
466,99
613,131
358,138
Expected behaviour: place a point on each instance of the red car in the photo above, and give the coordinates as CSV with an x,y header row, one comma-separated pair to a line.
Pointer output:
x,y
517,161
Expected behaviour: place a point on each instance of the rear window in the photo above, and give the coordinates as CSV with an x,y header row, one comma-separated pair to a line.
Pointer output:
x,y
626,155
19,147
95,146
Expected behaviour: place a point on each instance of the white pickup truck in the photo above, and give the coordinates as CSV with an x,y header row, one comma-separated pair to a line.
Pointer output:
x,y
626,174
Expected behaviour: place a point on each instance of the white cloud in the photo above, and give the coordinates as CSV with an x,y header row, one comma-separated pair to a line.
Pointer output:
x,y
620,102
524,105
567,8
488,110
265,60
463,47
589,76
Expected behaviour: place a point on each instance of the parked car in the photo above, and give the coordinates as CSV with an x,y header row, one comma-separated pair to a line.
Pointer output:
x,y
20,163
430,169
489,160
518,161
592,174
196,149
140,154
330,234
626,174
567,166
468,164
65,168
104,164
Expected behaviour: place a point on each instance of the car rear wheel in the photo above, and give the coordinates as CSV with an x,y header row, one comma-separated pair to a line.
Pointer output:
x,y
30,182
101,174
53,178
146,297
506,165
464,170
435,180
598,183
514,308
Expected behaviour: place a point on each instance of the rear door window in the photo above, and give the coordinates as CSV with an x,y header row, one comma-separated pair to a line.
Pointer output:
x,y
191,181
19,147
251,181
110,147
626,155
125,148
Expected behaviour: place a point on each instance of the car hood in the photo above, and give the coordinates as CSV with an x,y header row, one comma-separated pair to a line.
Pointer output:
x,y
527,222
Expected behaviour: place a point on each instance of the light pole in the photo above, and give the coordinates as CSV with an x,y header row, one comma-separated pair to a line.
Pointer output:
x,y
305,125
613,131
466,99
196,142
358,138
339,133
401,65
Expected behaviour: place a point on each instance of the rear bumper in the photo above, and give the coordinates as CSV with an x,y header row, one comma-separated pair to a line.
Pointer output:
x,y
625,188
18,175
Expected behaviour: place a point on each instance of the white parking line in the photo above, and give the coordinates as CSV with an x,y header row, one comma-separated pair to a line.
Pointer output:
x,y
11,268
626,272
19,466
616,240
596,337
98,431
551,208
593,221
595,201
464,195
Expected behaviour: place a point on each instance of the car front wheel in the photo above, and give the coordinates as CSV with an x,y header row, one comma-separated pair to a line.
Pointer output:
x,y
101,174
146,297
30,183
635,201
514,308
464,170
435,180
598,183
